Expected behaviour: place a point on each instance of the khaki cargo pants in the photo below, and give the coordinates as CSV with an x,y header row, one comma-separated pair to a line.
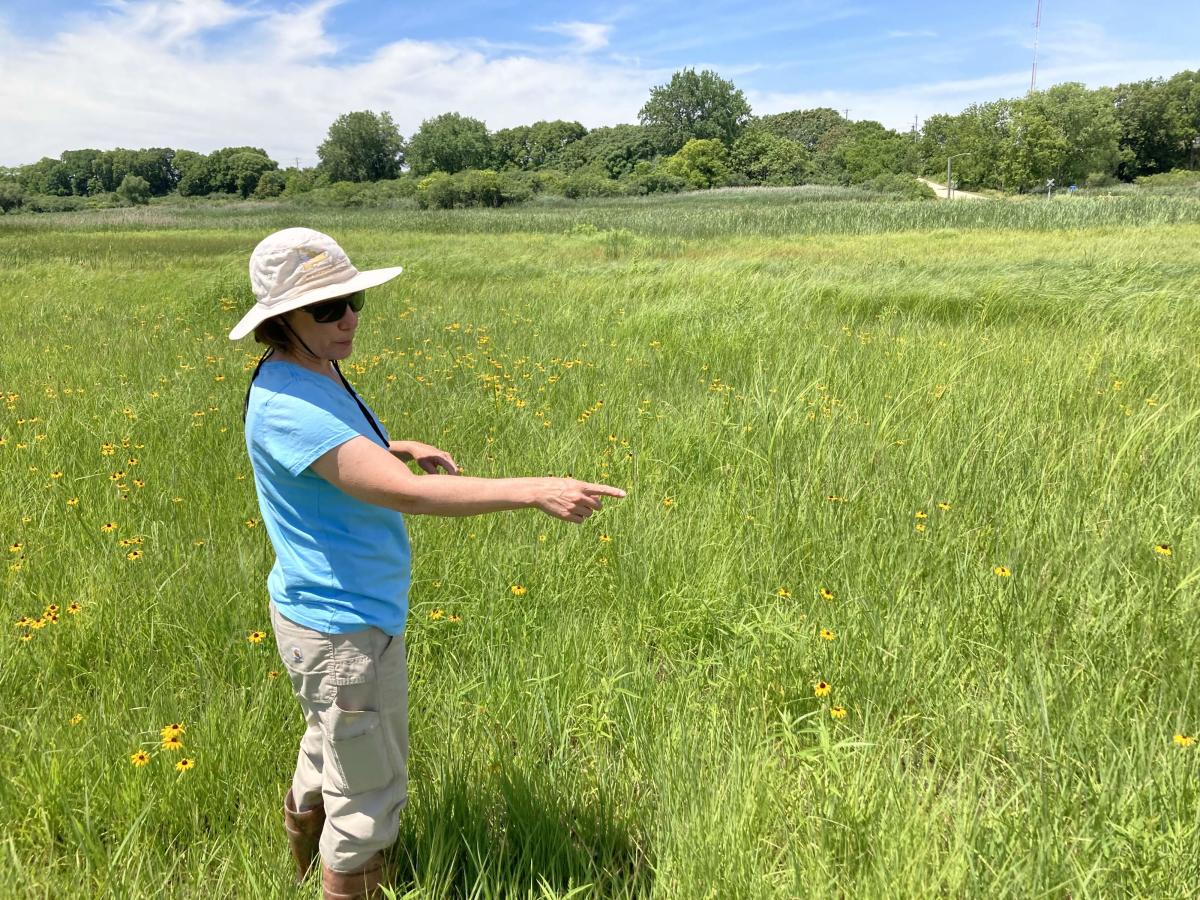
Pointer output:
x,y
353,690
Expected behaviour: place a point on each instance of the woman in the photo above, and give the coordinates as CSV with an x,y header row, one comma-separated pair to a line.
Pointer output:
x,y
332,488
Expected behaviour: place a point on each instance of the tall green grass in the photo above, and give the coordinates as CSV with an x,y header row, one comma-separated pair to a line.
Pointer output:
x,y
781,390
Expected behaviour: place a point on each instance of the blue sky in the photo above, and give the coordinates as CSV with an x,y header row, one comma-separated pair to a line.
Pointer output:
x,y
209,73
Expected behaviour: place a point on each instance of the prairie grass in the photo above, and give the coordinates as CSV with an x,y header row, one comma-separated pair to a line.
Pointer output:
x,y
881,402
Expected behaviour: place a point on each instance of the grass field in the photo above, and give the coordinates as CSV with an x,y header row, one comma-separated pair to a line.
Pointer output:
x,y
937,458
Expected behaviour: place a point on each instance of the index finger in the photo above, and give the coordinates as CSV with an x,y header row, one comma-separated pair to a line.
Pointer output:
x,y
603,490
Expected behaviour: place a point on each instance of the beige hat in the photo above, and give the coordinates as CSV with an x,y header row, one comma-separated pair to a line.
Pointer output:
x,y
299,266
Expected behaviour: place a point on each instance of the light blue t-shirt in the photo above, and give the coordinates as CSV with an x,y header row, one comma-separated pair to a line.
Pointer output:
x,y
341,565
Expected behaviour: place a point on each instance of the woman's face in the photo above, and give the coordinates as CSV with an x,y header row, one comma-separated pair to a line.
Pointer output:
x,y
328,340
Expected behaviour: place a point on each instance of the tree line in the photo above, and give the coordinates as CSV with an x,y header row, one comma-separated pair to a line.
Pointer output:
x,y
696,131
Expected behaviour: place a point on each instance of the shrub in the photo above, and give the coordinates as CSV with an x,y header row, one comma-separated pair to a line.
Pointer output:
x,y
1176,178
12,195
589,184
647,178
437,190
134,189
702,163
902,187
271,184
52,204
1100,180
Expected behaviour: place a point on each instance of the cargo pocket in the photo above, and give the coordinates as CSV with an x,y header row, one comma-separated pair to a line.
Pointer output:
x,y
358,760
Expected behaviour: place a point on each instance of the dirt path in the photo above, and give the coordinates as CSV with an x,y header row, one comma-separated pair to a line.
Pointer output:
x,y
940,190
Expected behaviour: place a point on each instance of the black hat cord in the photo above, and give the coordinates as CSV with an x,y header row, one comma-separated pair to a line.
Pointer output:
x,y
271,350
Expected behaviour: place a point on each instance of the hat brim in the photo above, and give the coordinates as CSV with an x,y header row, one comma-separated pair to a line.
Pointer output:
x,y
360,282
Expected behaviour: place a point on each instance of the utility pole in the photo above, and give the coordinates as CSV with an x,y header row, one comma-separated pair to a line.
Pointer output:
x,y
949,188
1037,27
845,113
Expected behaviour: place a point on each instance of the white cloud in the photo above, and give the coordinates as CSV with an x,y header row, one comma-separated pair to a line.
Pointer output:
x,y
588,36
140,77
203,74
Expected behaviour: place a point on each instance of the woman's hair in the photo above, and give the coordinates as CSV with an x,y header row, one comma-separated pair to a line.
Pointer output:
x,y
272,333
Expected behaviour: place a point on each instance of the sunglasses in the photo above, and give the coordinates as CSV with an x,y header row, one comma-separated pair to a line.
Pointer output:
x,y
332,310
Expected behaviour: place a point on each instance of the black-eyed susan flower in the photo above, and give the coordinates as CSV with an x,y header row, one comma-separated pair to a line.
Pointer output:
x,y
57,473
919,527
920,514
185,764
437,614
1002,571
133,555
174,742
668,501
24,622
75,608
74,501
50,609
1185,740
109,527
822,688
827,635
944,507
1163,549
518,590
175,729
273,674
76,719
256,637
252,523
39,623
140,758
605,539
825,593
455,619
116,476
16,547
784,593
838,712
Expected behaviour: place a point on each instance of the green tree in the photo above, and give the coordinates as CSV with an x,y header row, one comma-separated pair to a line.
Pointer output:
x,y
362,146
692,105
1159,123
270,184
818,130
12,195
611,152
195,173
1035,149
869,150
532,146
134,189
703,163
766,158
1087,122
449,143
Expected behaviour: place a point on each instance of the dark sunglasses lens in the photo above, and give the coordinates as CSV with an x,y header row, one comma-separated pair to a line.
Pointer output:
x,y
333,310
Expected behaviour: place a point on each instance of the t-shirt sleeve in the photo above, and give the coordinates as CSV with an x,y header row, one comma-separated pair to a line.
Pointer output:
x,y
296,429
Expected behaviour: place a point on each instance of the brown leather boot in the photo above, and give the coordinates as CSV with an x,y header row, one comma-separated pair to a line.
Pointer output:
x,y
304,833
360,885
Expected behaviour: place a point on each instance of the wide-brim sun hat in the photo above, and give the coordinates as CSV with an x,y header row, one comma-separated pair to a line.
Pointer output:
x,y
298,266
